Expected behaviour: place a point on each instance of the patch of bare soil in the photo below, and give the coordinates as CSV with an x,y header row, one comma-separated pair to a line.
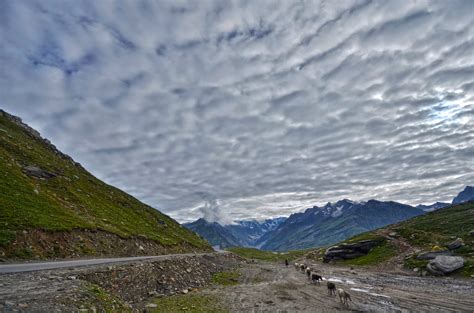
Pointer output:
x,y
269,287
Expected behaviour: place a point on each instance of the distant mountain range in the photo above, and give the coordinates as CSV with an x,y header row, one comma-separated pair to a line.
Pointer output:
x,y
316,226
242,233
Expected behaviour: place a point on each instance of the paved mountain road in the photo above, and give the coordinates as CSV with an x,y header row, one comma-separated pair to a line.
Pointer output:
x,y
39,266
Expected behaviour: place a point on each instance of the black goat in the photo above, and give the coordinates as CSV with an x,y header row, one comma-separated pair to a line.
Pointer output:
x,y
331,288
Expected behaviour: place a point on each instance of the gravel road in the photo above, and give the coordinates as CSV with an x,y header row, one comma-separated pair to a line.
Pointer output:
x,y
274,288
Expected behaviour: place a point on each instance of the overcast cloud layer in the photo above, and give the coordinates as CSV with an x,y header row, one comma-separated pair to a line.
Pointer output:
x,y
250,109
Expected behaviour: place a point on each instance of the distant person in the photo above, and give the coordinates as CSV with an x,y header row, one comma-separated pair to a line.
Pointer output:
x,y
286,263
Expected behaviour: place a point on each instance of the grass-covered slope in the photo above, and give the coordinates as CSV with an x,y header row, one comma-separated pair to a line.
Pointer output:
x,y
62,196
428,232
252,253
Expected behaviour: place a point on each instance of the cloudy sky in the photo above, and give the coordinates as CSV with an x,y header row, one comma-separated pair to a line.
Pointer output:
x,y
249,109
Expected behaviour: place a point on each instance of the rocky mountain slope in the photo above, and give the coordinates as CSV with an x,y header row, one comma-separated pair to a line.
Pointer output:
x,y
216,234
466,195
52,207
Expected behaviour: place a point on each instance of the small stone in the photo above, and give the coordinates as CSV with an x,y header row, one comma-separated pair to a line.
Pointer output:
x,y
185,291
151,305
23,305
36,191
416,269
141,248
9,303
72,277
189,270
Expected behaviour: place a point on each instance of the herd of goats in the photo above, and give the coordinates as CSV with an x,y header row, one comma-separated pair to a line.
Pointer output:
x,y
344,296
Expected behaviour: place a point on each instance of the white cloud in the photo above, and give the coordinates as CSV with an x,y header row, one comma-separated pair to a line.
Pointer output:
x,y
264,107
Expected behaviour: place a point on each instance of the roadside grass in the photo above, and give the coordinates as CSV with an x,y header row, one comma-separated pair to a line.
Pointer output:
x,y
226,278
269,256
74,199
381,253
412,263
189,303
101,300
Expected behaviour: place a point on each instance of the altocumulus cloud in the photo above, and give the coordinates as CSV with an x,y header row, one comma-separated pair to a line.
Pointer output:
x,y
250,109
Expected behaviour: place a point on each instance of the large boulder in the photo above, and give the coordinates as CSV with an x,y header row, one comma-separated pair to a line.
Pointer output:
x,y
349,250
445,264
430,255
455,244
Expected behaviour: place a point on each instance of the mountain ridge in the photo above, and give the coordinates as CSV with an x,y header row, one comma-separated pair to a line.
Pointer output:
x,y
337,221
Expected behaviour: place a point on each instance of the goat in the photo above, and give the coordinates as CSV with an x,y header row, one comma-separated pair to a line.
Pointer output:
x,y
297,265
315,278
308,272
343,296
302,267
331,288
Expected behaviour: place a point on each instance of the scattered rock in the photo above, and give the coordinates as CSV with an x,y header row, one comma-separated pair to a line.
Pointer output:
x,y
444,264
349,250
416,269
471,233
455,244
393,234
430,255
23,305
184,291
72,277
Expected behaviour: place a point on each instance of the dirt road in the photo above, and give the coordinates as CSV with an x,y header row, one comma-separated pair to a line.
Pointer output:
x,y
273,288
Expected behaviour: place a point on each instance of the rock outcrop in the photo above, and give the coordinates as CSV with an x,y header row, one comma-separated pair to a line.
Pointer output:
x,y
430,255
444,264
349,250
35,171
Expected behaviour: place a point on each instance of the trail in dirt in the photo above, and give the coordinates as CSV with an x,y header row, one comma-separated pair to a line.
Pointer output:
x,y
274,288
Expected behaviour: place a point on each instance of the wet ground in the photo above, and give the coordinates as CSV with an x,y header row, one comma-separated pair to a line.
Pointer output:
x,y
274,288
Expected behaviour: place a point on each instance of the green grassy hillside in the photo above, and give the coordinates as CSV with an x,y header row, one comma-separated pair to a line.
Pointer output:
x,y
68,197
428,232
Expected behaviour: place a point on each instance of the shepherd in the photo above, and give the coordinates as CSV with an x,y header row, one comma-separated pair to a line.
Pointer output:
x,y
286,262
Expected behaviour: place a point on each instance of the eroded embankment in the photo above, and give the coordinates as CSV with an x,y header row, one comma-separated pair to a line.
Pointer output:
x,y
41,245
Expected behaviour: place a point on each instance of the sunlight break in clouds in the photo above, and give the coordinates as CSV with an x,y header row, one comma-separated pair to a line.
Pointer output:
x,y
264,107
